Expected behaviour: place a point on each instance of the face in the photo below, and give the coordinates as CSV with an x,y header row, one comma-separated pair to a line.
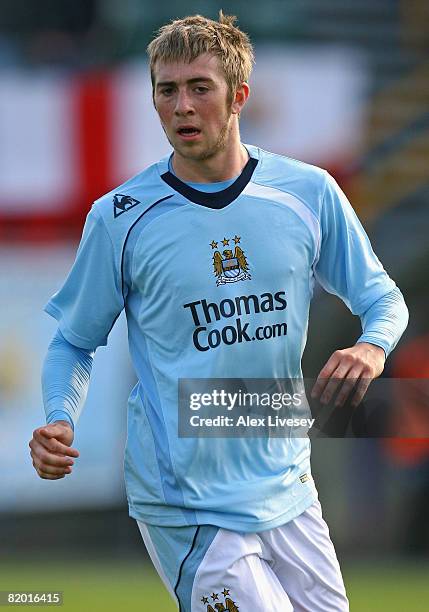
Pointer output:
x,y
194,107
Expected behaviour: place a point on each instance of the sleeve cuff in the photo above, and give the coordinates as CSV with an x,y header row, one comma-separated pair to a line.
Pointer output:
x,y
59,415
377,342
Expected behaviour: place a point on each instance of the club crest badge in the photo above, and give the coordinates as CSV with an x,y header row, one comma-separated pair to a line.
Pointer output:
x,y
230,266
228,605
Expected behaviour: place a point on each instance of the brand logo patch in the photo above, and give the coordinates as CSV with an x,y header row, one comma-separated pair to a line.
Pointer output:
x,y
228,605
123,203
304,478
229,266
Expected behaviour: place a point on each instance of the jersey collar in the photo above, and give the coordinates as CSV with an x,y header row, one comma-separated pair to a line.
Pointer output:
x,y
217,199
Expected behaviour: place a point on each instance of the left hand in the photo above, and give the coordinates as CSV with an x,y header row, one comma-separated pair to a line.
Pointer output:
x,y
356,366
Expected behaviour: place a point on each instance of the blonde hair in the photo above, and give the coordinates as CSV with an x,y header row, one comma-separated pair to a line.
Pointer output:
x,y
186,39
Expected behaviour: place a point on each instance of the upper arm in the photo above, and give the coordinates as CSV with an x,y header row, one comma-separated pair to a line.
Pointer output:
x,y
90,300
347,265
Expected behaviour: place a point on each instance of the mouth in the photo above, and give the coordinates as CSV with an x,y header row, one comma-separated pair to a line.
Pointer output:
x,y
188,132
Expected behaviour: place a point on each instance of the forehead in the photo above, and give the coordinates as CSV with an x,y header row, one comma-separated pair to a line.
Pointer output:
x,y
206,66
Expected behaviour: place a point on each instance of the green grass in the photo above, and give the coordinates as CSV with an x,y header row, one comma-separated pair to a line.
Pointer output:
x,y
92,587
393,588
108,587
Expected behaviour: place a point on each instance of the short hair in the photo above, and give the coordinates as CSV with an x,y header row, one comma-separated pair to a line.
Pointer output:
x,y
186,39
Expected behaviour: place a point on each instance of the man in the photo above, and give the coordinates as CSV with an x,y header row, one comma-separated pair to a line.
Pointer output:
x,y
203,249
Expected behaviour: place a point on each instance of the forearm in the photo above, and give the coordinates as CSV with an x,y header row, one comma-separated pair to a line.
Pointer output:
x,y
383,324
385,321
65,380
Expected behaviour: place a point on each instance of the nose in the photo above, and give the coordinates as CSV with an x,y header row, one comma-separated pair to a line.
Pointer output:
x,y
183,103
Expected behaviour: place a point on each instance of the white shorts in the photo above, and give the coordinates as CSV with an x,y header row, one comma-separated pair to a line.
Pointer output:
x,y
290,568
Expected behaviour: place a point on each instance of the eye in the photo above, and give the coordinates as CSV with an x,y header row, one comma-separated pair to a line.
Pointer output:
x,y
201,89
167,91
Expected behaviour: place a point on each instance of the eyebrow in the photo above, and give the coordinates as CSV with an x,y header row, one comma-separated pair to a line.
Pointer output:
x,y
190,81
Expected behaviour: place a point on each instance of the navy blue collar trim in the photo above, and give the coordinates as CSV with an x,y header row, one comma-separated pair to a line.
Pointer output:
x,y
217,199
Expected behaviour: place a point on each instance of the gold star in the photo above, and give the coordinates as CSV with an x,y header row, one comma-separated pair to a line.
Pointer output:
x,y
205,600
225,242
237,239
213,244
215,596
225,592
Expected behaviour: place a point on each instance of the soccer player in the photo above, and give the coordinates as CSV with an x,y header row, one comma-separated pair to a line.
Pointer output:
x,y
205,249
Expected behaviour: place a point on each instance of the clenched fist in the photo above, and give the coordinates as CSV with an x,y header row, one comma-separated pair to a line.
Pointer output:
x,y
51,450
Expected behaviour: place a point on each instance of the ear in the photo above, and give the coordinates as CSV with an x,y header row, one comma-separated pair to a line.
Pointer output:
x,y
240,98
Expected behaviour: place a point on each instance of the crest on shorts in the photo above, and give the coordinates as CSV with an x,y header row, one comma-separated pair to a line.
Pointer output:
x,y
229,266
214,602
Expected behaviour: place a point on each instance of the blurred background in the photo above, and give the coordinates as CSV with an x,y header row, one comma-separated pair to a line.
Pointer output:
x,y
343,84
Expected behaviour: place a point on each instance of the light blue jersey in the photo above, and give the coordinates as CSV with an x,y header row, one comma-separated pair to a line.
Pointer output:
x,y
185,264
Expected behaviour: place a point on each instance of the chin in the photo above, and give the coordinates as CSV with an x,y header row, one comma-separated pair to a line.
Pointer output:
x,y
199,153
196,153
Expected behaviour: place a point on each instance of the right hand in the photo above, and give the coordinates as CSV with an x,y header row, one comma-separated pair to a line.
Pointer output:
x,y
51,450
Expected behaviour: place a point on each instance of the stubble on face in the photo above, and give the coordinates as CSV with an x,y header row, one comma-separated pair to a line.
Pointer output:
x,y
188,152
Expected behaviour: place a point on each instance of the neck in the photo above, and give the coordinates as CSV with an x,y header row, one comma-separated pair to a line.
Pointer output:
x,y
223,165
